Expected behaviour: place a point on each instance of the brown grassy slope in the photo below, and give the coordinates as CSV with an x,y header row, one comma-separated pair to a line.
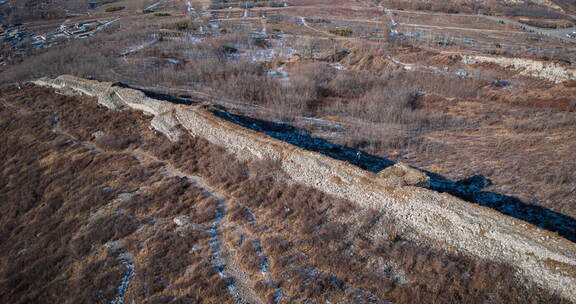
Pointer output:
x,y
568,6
525,147
319,248
301,229
59,209
45,198
521,137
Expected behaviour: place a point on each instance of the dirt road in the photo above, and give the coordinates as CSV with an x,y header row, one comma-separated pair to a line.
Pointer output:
x,y
556,33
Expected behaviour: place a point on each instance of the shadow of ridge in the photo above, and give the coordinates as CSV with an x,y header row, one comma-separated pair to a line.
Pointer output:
x,y
155,95
468,189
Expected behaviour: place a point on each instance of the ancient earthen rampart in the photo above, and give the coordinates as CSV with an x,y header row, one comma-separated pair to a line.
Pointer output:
x,y
438,219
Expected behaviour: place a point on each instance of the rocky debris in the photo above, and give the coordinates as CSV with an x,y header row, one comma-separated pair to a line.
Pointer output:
x,y
68,92
435,218
196,248
98,134
113,245
468,60
124,197
167,125
181,220
108,100
462,73
546,70
403,175
117,97
184,225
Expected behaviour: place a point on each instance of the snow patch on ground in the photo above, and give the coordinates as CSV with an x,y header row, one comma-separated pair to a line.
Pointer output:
x,y
214,24
126,259
338,66
265,270
189,8
279,74
251,213
105,25
263,55
264,265
217,259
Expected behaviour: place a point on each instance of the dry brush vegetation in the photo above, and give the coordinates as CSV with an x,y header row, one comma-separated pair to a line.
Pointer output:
x,y
70,193
66,223
87,197
373,104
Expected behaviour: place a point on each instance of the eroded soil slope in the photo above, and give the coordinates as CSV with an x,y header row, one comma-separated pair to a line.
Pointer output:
x,y
98,208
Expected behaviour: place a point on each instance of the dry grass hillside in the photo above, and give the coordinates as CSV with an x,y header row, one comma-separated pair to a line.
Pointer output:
x,y
96,200
287,151
567,5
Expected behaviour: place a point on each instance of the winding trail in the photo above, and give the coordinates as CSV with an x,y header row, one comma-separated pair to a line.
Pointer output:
x,y
527,29
134,49
123,256
265,268
217,259
105,25
238,282
154,6
304,23
555,33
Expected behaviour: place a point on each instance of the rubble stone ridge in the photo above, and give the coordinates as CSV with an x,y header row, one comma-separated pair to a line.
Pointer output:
x,y
437,219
